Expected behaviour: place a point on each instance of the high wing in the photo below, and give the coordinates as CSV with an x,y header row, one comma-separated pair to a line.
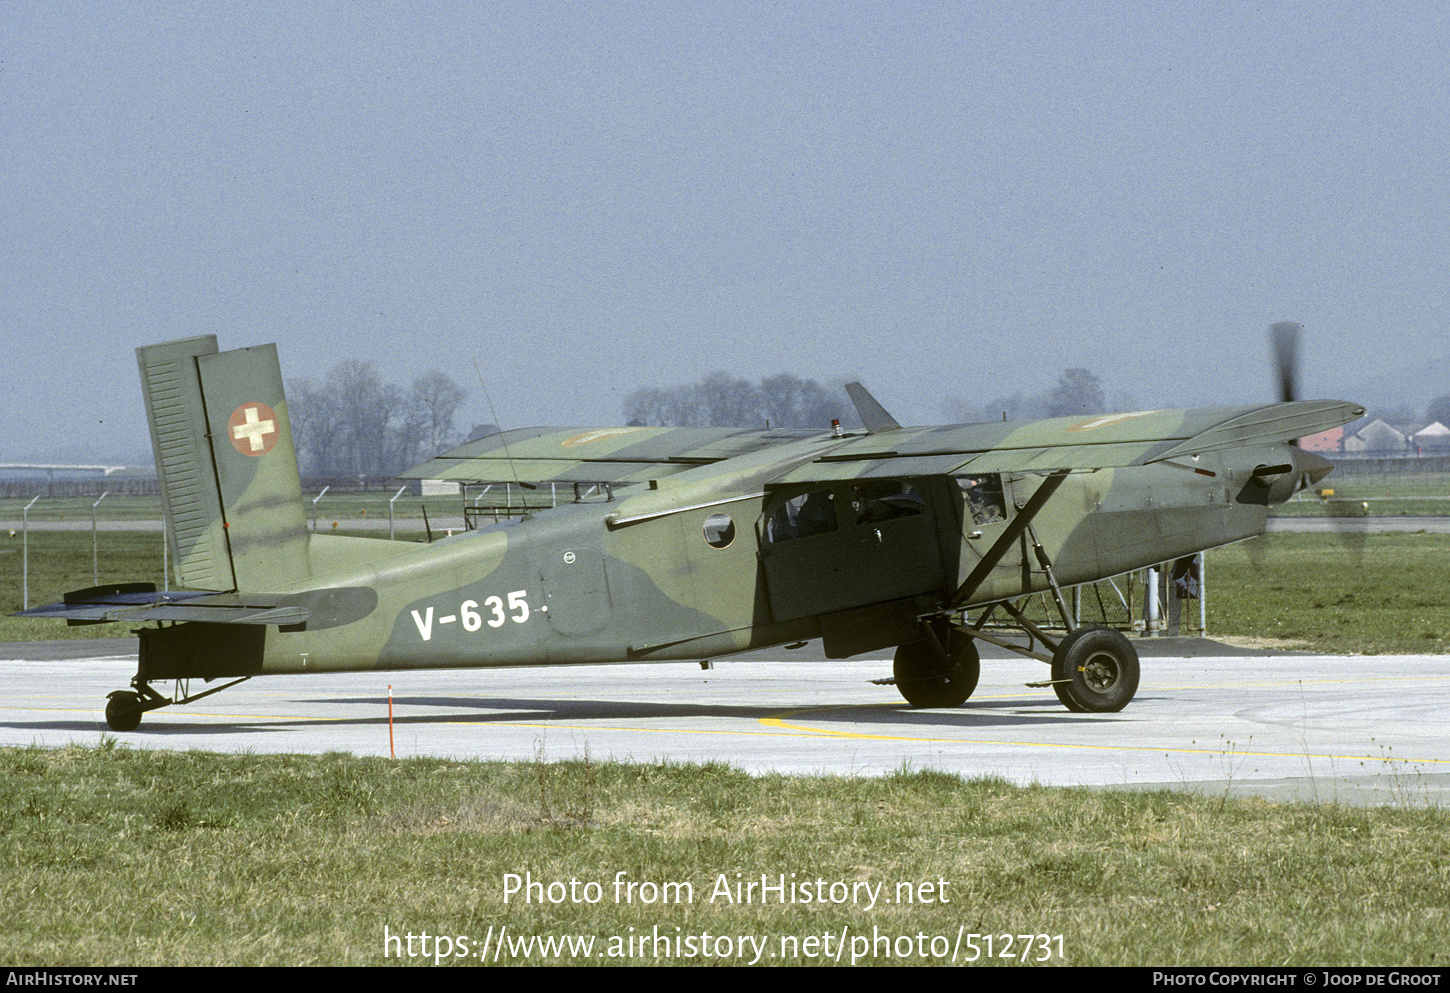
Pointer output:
x,y
625,455
1074,443
597,455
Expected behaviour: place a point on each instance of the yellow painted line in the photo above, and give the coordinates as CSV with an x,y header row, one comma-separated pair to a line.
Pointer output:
x,y
603,727
543,726
1225,749
1326,681
188,713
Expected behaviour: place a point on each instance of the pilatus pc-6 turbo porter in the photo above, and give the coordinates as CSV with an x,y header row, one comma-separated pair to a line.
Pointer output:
x,y
692,544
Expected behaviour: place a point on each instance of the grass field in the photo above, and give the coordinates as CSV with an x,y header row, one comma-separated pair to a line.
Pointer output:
x,y
1385,595
1373,495
61,561
114,855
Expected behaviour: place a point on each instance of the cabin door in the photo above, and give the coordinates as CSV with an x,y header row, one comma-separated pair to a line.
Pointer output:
x,y
850,544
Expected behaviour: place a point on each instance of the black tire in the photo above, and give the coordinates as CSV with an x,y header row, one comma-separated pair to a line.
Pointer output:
x,y
123,711
925,679
1095,671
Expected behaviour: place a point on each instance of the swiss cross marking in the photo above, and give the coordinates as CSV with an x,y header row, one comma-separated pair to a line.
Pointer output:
x,y
253,429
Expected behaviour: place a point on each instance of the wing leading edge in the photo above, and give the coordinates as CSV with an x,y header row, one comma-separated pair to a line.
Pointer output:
x,y
596,455
625,455
1074,443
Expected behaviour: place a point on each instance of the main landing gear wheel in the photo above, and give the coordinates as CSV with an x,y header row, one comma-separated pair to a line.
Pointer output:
x,y
123,710
1095,670
926,679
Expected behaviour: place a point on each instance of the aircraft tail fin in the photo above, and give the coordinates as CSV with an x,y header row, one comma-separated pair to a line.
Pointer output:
x,y
873,415
228,469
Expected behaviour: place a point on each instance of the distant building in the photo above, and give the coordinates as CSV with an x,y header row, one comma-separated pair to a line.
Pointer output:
x,y
56,472
1377,438
1432,439
53,478
1325,441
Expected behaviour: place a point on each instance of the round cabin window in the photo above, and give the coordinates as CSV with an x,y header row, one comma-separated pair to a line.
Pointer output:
x,y
719,530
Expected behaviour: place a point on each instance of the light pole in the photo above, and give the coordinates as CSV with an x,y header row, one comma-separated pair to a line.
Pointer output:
x,y
25,553
95,547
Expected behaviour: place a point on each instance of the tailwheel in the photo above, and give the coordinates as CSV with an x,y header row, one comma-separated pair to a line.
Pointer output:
x,y
938,671
125,707
124,710
1095,670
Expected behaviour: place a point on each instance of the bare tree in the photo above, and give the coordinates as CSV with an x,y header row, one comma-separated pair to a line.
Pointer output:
x,y
365,408
721,400
432,405
647,407
314,424
1438,411
354,424
1077,392
792,402
730,402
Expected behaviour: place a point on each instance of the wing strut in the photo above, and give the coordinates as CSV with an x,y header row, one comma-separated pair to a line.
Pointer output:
x,y
1009,535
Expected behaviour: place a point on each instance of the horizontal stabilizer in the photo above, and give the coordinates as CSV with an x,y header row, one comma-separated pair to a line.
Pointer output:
x,y
137,602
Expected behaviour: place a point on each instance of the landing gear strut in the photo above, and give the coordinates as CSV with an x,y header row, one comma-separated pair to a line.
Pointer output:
x,y
1094,670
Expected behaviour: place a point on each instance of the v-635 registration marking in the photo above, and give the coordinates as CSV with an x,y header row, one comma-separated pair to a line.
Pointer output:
x,y
495,614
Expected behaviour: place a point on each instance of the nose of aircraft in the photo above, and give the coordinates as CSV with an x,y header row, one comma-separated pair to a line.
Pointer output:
x,y
1310,468
1278,482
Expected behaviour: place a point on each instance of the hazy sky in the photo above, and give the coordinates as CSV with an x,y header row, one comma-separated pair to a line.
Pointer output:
x,y
944,199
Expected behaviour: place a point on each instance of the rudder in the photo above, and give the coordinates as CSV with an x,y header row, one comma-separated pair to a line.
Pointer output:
x,y
227,465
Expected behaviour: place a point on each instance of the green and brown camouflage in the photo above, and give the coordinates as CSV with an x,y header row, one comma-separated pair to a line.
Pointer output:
x,y
690,544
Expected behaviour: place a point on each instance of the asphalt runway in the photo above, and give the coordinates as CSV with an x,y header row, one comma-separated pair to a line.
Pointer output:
x,y
1352,730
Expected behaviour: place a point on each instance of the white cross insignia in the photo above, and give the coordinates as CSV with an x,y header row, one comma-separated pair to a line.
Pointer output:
x,y
253,429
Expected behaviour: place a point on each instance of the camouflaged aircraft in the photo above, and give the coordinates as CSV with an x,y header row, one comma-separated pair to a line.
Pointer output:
x,y
692,543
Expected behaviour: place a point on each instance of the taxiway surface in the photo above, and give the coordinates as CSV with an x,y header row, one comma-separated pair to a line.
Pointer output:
x,y
1329,729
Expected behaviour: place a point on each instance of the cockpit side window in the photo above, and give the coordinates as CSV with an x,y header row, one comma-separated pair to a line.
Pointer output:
x,y
985,501
885,500
802,516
